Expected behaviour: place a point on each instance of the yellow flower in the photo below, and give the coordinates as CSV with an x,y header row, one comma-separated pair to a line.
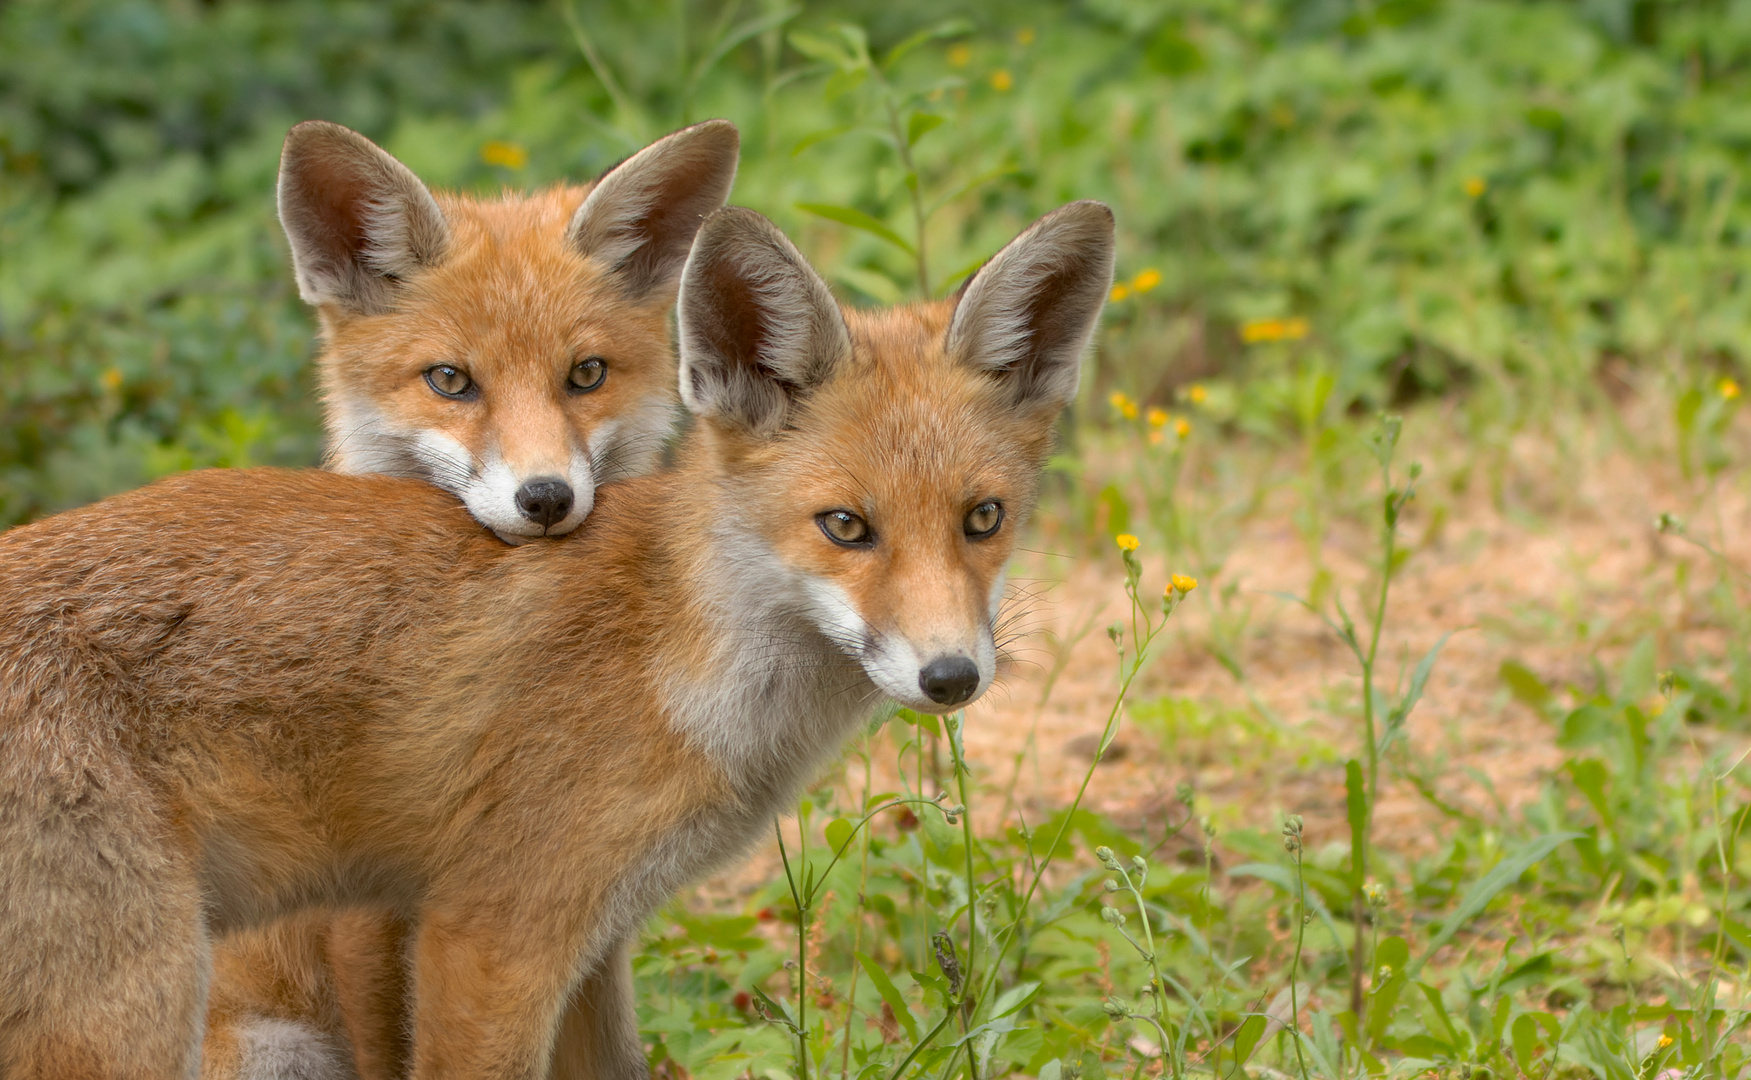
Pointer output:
x,y
1120,291
1182,427
507,154
1157,417
1475,186
1290,329
1729,389
959,55
1196,393
1127,408
112,378
1665,1041
1182,584
1155,438
1001,80
1126,542
1146,280
1024,36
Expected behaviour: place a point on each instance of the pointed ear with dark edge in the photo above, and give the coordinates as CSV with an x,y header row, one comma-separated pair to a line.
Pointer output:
x,y
1028,314
359,222
642,216
759,328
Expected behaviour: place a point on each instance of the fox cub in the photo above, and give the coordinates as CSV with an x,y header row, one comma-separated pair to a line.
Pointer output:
x,y
513,351
234,695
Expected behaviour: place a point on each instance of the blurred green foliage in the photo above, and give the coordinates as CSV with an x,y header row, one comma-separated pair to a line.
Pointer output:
x,y
1494,197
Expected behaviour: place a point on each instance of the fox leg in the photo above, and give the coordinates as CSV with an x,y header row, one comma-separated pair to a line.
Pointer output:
x,y
490,979
598,1035
104,957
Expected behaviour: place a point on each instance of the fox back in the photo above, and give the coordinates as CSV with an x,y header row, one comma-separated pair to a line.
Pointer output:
x,y
514,351
232,696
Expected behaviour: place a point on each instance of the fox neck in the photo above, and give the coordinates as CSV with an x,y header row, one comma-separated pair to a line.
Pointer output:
x,y
747,678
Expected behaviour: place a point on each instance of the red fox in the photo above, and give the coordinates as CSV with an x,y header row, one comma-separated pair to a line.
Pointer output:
x,y
512,351
234,695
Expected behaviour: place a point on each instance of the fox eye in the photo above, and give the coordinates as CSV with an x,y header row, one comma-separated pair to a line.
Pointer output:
x,y
586,375
451,382
844,528
983,520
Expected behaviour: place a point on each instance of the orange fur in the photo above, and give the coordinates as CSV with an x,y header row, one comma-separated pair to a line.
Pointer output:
x,y
235,696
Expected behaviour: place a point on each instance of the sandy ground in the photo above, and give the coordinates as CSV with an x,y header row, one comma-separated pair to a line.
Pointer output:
x,y
1543,551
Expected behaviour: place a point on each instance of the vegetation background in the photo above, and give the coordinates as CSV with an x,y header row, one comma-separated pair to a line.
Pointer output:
x,y
1520,226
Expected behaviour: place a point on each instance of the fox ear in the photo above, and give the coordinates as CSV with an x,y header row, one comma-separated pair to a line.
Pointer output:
x,y
359,222
641,217
758,326
1028,314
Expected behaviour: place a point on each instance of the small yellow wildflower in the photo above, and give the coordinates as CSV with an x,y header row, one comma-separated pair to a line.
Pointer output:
x,y
1146,280
1156,438
1729,389
1024,36
112,378
1476,186
1665,1041
1156,416
1126,542
1127,408
507,154
959,55
1180,583
1196,393
1290,329
1182,427
1001,80
1120,291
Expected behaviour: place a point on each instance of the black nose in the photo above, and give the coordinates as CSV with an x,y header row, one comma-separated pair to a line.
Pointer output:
x,y
545,501
949,680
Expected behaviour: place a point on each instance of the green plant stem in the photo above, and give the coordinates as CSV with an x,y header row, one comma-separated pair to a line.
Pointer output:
x,y
913,185
1112,721
956,726
1295,964
802,919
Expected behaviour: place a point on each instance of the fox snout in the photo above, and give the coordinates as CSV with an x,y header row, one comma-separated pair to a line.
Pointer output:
x,y
949,680
545,501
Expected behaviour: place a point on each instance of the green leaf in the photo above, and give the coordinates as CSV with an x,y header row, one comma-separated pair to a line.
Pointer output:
x,y
1502,875
1525,686
1395,954
1525,1038
1246,1039
1439,1009
1356,798
857,219
890,994
921,124
876,286
1419,679
815,138
821,47
946,29
1013,999
839,833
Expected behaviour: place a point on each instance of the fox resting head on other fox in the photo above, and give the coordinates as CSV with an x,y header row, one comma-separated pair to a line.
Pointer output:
x,y
513,351
236,695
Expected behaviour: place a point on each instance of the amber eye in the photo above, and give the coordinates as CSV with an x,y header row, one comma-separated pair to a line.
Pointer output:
x,y
452,382
844,527
983,520
586,375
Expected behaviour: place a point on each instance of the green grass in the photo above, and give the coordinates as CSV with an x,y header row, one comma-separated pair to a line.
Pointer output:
x,y
1496,218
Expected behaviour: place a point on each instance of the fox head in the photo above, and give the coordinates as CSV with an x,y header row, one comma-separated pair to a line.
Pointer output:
x,y
514,351
885,461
